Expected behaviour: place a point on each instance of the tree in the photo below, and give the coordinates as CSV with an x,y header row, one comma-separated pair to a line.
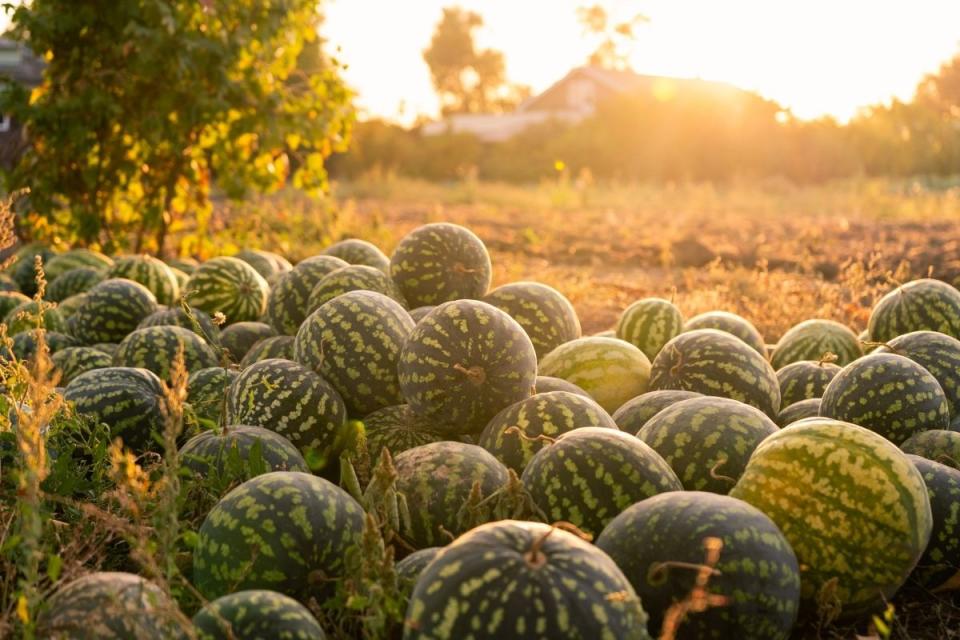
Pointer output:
x,y
613,36
466,79
146,103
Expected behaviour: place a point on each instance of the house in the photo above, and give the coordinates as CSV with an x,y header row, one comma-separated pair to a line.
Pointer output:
x,y
20,65
573,98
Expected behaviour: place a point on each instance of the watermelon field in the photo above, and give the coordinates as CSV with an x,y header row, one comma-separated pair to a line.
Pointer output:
x,y
482,411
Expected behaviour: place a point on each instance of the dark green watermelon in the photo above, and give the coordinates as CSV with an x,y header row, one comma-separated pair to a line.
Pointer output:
x,y
707,441
396,429
24,317
207,391
110,311
757,571
546,414
440,262
73,282
354,342
715,363
590,475
409,569
239,338
229,286
809,408
185,264
436,479
285,531
420,313
155,348
208,453
729,323
69,306
936,352
8,284
920,305
513,580
888,394
268,264
10,300
75,259
939,567
275,347
649,324
803,380
292,400
812,340
353,278
939,445
256,613
633,415
73,361
201,323
25,343
546,384
544,313
23,269
361,252
288,303
152,273
465,362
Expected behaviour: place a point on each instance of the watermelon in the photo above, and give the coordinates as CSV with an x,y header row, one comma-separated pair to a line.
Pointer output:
x,y
938,445
715,363
812,340
10,300
936,352
465,362
354,342
548,318
69,306
436,479
25,343
239,337
208,453
73,361
612,371
729,323
275,347
360,252
409,569
649,324
707,441
546,384
292,400
939,567
23,269
803,380
420,313
111,605
130,401
888,394
75,259
288,303
184,264
920,305
24,317
440,262
8,284
852,506
809,408
152,273
182,278
634,414
547,414
110,311
511,580
155,348
106,347
201,323
256,613
353,278
73,282
229,286
266,263
207,391
757,571
397,429
590,475
286,531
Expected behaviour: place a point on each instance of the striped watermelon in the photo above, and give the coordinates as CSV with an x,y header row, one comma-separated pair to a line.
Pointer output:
x,y
546,414
465,362
152,273
7,283
436,479
268,264
155,348
353,278
920,305
201,323
715,363
208,453
275,347
809,408
293,401
544,313
812,339
23,269
938,445
510,580
286,531
888,394
939,568
361,252
25,316
612,371
649,324
409,569
184,264
110,311
129,401
229,286
73,282
73,361
10,300
757,571
440,262
239,337
420,313
354,342
729,323
936,352
589,475
256,613
207,391
288,303
69,306
397,429
852,506
707,441
546,384
634,414
25,343
803,380
75,259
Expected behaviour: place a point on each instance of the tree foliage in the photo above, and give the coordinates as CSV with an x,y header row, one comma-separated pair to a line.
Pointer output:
x,y
614,36
146,104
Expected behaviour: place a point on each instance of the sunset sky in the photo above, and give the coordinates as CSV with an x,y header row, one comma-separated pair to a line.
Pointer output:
x,y
815,57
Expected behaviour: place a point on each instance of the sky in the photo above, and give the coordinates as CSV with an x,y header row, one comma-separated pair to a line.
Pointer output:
x,y
816,57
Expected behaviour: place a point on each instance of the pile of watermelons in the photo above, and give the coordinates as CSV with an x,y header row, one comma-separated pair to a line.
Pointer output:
x,y
672,475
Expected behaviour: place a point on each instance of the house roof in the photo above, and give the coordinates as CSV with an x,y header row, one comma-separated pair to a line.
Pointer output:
x,y
19,63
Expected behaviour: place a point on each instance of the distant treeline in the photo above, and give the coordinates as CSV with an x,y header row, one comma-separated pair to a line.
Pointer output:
x,y
699,134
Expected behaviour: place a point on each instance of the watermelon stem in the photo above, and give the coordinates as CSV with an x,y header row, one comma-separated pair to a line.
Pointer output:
x,y
718,476
826,358
476,375
538,438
